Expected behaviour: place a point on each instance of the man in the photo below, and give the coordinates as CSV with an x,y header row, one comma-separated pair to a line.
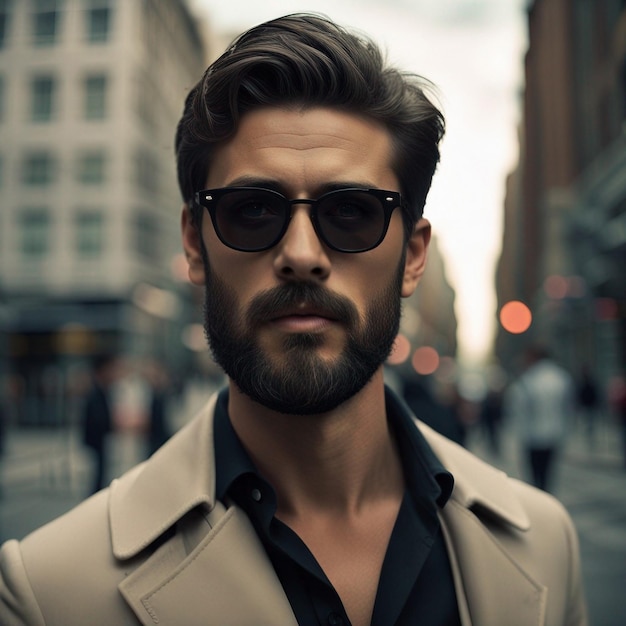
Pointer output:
x,y
304,493
96,417
589,401
541,404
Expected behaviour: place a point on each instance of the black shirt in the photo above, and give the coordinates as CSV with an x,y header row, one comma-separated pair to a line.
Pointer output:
x,y
416,584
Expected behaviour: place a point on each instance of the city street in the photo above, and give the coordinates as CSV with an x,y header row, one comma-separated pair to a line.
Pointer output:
x,y
45,473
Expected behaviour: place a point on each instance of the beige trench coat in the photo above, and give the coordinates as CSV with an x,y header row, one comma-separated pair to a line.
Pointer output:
x,y
513,549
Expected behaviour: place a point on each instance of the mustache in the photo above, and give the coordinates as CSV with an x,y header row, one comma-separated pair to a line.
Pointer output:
x,y
271,303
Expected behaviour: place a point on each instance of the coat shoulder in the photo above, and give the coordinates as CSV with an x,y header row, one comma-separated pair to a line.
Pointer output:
x,y
70,557
72,552
74,555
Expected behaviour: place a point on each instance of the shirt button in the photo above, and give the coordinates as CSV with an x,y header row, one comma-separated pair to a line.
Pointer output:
x,y
334,619
256,495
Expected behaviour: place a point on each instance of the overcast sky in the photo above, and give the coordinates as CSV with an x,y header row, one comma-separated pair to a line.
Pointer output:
x,y
473,51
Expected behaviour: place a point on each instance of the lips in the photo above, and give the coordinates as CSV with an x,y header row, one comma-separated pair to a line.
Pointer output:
x,y
304,311
300,302
303,319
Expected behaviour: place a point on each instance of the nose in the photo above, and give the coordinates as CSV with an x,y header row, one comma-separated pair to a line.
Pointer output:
x,y
300,253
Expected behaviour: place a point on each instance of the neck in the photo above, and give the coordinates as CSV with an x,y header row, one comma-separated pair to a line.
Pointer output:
x,y
336,462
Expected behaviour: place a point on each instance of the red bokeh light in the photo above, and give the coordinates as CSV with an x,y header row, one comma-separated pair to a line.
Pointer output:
x,y
515,317
400,351
425,360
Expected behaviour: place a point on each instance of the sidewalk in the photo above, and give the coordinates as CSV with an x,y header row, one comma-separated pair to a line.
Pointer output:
x,y
44,472
604,453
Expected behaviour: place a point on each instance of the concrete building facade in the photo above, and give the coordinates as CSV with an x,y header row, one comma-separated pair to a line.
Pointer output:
x,y
90,93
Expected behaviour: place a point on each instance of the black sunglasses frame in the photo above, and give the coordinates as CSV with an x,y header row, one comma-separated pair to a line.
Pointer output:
x,y
389,201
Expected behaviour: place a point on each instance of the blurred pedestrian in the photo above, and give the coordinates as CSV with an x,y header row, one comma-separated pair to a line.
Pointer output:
x,y
159,394
588,397
491,419
617,399
3,421
542,404
427,408
96,416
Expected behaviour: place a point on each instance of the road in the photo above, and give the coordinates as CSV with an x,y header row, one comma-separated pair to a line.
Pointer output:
x,y
46,473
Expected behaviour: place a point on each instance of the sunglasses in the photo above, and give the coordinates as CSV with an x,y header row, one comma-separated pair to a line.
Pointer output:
x,y
252,219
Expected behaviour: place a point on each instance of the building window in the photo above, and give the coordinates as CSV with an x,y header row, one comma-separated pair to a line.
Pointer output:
x,y
43,90
5,15
38,169
35,232
89,233
95,97
45,16
146,235
91,168
146,104
146,171
98,20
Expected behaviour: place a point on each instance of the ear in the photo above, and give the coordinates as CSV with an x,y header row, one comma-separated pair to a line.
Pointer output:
x,y
416,253
192,244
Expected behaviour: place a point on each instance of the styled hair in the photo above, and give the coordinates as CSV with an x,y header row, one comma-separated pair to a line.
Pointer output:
x,y
306,60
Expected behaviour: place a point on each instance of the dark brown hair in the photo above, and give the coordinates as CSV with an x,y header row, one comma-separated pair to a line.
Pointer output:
x,y
307,60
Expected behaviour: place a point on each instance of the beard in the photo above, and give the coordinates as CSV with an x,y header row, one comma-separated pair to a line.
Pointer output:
x,y
301,382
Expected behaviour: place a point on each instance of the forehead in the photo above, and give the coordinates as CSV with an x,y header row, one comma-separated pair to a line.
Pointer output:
x,y
304,148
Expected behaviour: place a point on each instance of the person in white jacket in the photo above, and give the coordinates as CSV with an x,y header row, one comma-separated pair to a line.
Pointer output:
x,y
542,403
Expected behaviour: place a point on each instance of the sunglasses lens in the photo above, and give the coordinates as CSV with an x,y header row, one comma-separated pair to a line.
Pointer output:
x,y
351,220
348,220
251,219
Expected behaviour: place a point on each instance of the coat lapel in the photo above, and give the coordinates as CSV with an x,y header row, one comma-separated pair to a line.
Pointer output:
x,y
214,569
492,588
223,575
226,579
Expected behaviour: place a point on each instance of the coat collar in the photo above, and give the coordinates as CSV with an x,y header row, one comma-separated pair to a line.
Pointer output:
x,y
477,484
215,570
179,478
175,480
183,469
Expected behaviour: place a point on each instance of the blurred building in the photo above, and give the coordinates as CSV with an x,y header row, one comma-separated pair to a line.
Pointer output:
x,y
428,331
429,315
90,93
564,243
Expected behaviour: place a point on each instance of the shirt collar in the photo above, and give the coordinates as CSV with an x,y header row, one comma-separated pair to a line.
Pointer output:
x,y
427,478
231,459
424,472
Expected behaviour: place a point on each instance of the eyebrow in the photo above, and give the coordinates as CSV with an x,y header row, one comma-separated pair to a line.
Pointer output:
x,y
268,183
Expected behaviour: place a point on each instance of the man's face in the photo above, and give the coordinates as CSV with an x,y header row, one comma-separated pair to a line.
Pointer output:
x,y
298,379
300,328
